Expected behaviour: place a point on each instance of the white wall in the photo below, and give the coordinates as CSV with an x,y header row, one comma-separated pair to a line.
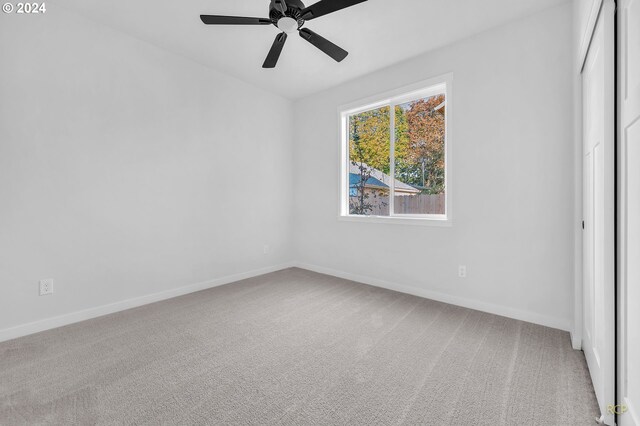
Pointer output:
x,y
513,178
127,171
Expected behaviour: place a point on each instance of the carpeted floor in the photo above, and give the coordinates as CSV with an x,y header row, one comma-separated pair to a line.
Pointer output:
x,y
296,348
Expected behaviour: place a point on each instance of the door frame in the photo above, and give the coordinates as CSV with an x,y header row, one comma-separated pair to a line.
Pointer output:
x,y
625,106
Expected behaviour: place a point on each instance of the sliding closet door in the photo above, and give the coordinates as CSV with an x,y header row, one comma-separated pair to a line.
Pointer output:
x,y
629,218
598,88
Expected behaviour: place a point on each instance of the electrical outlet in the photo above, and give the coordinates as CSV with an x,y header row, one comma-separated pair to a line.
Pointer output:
x,y
462,271
46,287
266,249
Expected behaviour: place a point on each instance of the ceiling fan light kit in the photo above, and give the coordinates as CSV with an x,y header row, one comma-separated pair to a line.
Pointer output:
x,y
289,16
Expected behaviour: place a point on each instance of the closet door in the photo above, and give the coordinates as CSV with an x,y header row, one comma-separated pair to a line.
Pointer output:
x,y
598,89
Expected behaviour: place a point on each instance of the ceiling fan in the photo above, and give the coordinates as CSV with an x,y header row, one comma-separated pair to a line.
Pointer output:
x,y
289,16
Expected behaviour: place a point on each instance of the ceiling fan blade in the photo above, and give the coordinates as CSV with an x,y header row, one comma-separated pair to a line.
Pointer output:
x,y
282,5
274,53
324,7
233,20
336,52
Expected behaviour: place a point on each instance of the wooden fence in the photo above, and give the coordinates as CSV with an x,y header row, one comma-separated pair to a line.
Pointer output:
x,y
407,204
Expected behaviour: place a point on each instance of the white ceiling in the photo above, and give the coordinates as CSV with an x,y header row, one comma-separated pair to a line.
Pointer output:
x,y
377,34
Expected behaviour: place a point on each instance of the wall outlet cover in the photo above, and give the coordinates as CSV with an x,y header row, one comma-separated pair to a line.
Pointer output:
x,y
46,286
462,271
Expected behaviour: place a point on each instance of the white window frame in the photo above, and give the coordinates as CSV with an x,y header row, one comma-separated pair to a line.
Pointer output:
x,y
420,90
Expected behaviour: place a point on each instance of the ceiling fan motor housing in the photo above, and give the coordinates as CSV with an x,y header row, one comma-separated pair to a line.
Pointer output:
x,y
294,11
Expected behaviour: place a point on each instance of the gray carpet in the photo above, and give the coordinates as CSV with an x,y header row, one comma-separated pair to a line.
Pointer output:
x,y
296,348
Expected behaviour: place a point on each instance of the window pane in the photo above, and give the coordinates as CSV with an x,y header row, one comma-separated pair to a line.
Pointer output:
x,y
420,157
369,162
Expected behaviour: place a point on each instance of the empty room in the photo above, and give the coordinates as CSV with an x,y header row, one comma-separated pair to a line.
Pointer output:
x,y
323,212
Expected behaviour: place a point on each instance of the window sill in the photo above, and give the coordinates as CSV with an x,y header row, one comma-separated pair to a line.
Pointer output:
x,y
395,220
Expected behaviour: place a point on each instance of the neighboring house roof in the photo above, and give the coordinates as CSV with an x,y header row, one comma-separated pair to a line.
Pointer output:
x,y
378,180
354,181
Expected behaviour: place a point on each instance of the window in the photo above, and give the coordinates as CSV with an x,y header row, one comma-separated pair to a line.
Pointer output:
x,y
395,162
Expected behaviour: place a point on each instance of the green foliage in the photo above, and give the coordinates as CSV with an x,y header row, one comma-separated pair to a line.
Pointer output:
x,y
419,143
423,166
372,145
365,141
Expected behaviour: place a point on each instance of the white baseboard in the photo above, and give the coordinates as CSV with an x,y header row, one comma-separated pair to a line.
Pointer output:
x,y
504,311
66,319
576,341
631,417
85,314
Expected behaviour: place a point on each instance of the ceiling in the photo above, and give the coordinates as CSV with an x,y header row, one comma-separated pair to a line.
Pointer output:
x,y
377,34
